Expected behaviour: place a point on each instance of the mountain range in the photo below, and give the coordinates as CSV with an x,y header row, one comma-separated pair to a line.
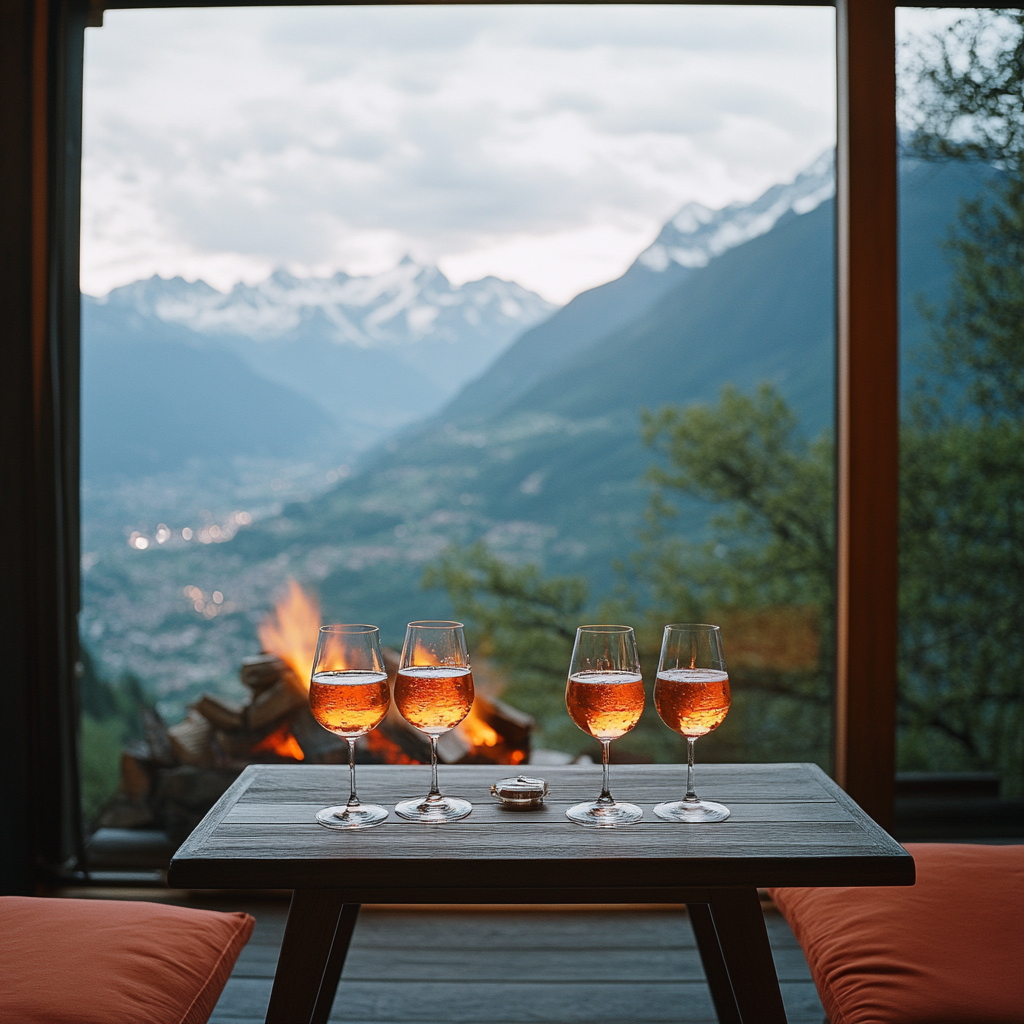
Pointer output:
x,y
227,373
540,456
554,471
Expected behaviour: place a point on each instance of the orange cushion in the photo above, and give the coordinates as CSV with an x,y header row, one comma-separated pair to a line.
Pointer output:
x,y
948,949
83,961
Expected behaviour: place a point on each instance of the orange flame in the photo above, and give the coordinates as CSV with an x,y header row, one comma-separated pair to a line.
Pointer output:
x,y
281,742
291,631
387,750
476,732
423,655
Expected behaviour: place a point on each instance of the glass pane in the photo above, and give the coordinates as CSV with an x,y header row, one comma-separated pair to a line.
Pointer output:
x,y
522,314
962,446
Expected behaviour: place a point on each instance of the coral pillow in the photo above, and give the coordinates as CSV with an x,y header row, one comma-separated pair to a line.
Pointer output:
x,y
83,961
948,950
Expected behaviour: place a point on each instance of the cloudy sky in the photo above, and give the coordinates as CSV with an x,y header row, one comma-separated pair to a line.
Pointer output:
x,y
545,145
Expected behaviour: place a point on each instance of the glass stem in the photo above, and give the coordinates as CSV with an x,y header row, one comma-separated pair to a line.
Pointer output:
x,y
605,797
691,796
435,793
353,800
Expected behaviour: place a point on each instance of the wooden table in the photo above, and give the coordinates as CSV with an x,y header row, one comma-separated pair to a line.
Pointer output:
x,y
790,826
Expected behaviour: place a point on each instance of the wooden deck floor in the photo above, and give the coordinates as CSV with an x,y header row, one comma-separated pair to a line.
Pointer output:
x,y
591,966
500,967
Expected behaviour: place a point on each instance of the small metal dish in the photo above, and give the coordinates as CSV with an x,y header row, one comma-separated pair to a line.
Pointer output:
x,y
521,793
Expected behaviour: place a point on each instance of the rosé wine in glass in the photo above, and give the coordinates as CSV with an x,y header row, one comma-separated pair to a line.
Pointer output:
x,y
691,694
349,696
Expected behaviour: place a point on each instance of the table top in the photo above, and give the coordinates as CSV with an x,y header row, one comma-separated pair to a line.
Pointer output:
x,y
791,825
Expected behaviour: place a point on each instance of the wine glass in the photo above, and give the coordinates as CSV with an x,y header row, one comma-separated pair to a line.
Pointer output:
x,y
692,696
434,692
349,696
605,697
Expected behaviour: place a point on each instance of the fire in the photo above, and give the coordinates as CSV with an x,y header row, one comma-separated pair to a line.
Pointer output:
x,y
422,655
281,742
386,750
332,655
291,631
477,732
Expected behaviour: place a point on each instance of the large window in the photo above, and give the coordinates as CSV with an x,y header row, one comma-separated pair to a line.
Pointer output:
x,y
599,384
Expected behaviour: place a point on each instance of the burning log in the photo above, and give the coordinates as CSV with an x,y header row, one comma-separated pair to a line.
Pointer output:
x,y
261,671
492,733
316,744
221,714
280,744
389,745
236,746
274,703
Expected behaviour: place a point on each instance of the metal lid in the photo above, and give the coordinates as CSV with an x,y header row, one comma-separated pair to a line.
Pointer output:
x,y
520,793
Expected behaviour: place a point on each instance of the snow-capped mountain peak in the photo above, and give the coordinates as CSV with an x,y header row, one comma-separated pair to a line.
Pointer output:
x,y
697,234
403,305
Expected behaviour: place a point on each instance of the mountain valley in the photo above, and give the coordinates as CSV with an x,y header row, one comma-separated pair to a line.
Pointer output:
x,y
537,451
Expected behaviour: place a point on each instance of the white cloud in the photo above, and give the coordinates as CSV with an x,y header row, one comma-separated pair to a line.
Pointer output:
x,y
547,144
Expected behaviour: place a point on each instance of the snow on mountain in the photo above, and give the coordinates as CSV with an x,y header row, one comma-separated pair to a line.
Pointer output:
x,y
407,304
697,234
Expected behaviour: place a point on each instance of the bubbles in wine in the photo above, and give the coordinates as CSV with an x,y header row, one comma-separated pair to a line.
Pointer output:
x,y
434,699
605,705
349,703
692,701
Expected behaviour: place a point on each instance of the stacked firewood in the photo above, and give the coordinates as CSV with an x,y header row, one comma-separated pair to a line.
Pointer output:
x,y
176,774
275,725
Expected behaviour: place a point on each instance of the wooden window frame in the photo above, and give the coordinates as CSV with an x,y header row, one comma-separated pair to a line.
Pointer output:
x,y
41,57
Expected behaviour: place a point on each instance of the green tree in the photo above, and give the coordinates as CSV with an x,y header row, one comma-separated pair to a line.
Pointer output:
x,y
966,102
963,90
962,437
765,572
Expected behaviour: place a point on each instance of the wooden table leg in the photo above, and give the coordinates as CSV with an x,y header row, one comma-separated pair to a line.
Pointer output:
x,y
743,940
313,919
715,971
335,963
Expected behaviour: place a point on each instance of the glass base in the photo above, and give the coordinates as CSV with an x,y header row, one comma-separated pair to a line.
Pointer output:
x,y
599,815
692,812
359,816
433,810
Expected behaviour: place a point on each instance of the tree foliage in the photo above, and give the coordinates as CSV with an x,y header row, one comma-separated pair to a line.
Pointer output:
x,y
967,103
772,538
764,571
962,437
964,91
